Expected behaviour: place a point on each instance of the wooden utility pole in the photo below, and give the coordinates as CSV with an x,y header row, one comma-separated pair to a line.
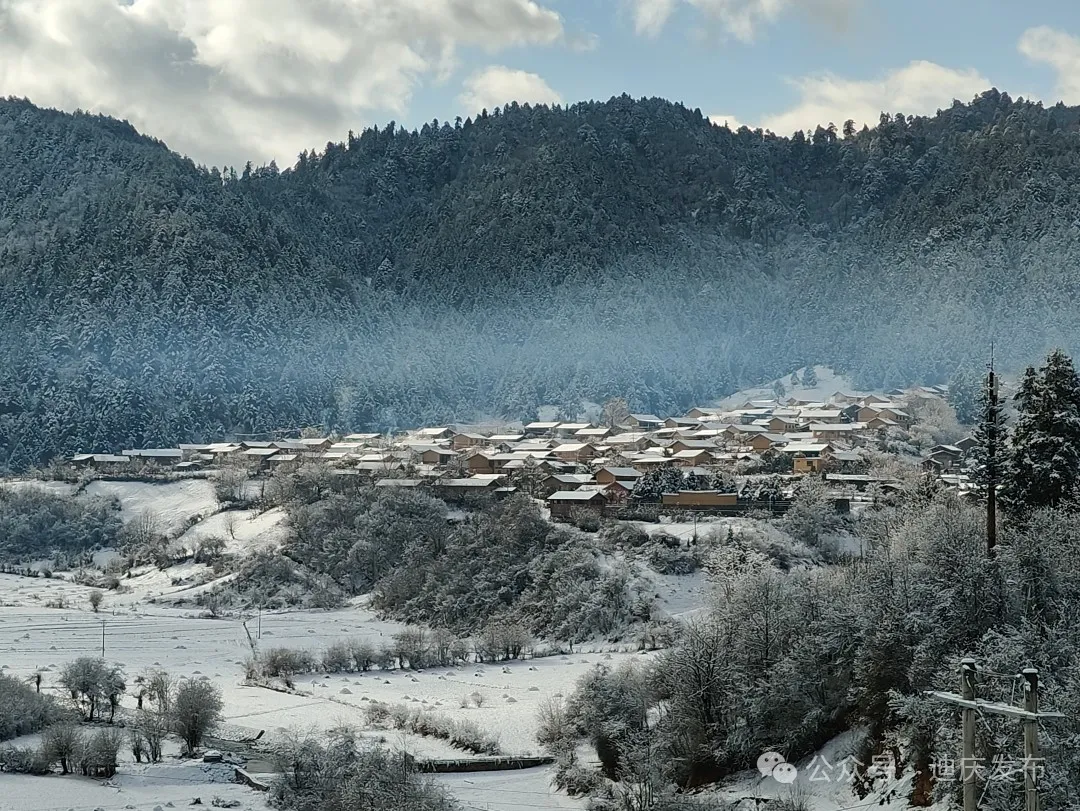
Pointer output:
x,y
103,639
1031,740
1030,716
967,761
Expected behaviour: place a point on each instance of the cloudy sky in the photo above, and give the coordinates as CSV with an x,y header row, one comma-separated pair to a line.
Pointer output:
x,y
226,81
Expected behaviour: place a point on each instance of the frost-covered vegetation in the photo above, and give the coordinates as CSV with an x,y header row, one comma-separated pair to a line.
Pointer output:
x,y
504,565
190,709
785,662
346,773
415,277
36,524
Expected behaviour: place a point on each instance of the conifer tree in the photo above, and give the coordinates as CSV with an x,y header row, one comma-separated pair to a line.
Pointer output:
x,y
1043,462
809,377
965,398
987,456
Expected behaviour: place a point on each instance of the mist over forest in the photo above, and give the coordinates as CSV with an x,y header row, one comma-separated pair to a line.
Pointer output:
x,y
531,256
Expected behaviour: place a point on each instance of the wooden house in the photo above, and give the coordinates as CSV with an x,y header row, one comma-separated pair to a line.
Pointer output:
x,y
565,503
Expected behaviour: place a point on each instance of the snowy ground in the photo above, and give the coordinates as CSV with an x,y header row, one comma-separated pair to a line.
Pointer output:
x,y
140,636
45,623
828,384
145,787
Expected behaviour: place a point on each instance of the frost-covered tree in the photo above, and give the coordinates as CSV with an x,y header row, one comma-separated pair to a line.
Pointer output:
x,y
809,378
965,396
1042,466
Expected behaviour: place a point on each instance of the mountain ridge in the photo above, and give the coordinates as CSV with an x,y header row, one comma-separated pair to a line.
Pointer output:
x,y
535,256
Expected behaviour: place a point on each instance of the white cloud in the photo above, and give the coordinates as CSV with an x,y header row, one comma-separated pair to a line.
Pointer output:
x,y
732,122
920,88
229,80
1059,50
741,18
496,85
650,16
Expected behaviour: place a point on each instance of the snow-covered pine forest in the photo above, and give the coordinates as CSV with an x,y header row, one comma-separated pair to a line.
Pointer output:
x,y
530,256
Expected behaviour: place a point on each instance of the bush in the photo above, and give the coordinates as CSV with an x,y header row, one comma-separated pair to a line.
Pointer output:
x,y
284,663
338,658
23,711
18,760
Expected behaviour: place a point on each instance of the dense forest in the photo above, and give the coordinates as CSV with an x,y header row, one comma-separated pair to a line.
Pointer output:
x,y
530,256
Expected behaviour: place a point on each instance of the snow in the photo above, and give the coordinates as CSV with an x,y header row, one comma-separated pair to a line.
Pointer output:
x,y
172,503
508,791
242,530
144,787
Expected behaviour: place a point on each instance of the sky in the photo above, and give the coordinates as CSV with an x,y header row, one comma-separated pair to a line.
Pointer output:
x,y
231,81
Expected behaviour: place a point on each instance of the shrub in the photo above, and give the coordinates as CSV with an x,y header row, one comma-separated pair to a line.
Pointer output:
x,y
19,760
338,658
22,710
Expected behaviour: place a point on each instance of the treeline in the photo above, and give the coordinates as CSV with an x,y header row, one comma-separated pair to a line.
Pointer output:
x,y
419,277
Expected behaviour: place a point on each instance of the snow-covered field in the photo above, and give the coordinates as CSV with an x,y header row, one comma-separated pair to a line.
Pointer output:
x,y
45,623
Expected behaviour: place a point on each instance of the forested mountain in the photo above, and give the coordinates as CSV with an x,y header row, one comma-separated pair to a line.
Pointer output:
x,y
531,256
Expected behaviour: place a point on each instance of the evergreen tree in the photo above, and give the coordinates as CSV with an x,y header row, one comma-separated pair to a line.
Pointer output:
x,y
809,377
1043,462
794,381
965,397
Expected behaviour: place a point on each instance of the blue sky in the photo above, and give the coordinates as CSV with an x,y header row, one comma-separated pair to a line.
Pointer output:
x,y
227,81
694,60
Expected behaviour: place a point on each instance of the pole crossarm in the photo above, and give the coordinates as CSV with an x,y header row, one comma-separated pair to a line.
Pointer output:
x,y
991,707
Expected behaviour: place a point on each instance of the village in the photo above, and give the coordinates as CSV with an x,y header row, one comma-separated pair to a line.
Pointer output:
x,y
592,467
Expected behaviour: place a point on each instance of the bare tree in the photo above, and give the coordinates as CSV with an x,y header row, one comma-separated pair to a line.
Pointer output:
x,y
63,744
96,598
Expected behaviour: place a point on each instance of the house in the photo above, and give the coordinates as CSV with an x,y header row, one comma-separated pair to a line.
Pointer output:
x,y
464,440
897,415
105,462
407,483
191,452
575,452
592,434
434,454
565,503
630,441
459,489
840,430
257,458
697,413
645,421
607,475
159,456
680,445
682,422
316,444
614,493
821,415
432,434
808,457
881,424
505,439
564,481
873,399
284,461
700,499
479,463
569,429
764,442
781,425
540,428
693,457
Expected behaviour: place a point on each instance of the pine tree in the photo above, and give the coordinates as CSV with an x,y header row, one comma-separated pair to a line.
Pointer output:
x,y
809,377
965,398
794,382
1042,466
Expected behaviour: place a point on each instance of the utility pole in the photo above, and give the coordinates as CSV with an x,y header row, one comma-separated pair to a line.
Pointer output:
x,y
967,714
1031,740
1030,716
259,634
992,446
103,639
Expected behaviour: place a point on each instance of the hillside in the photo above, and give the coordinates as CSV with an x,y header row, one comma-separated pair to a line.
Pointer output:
x,y
531,256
